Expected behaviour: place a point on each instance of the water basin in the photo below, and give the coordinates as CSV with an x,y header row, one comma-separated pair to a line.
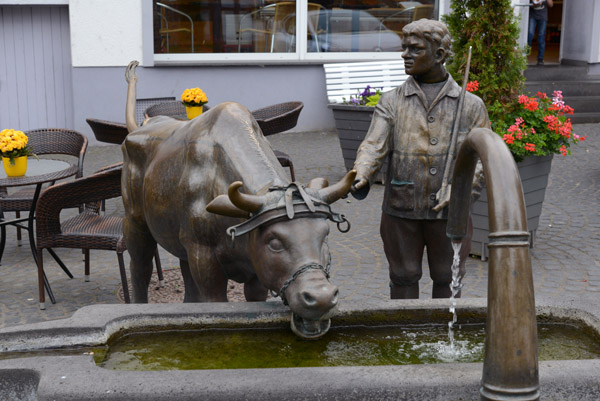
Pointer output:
x,y
342,346
40,372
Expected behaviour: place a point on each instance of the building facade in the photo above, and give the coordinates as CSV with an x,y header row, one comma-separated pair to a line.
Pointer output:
x,y
64,60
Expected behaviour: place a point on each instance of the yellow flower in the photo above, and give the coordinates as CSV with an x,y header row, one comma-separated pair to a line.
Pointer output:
x,y
194,96
13,143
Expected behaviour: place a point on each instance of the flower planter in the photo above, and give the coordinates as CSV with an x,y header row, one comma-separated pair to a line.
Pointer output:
x,y
352,124
17,168
534,172
193,111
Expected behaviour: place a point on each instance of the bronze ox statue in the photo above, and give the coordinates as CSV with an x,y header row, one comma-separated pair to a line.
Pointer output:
x,y
267,232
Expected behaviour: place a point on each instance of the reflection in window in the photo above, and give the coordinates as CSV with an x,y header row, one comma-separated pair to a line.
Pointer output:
x,y
269,26
365,25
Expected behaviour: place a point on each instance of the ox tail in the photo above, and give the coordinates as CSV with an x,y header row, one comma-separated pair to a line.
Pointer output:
x,y
131,78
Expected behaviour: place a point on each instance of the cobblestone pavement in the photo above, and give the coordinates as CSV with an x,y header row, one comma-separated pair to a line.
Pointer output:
x,y
566,258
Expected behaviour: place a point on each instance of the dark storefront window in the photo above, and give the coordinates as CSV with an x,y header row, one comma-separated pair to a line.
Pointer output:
x,y
263,26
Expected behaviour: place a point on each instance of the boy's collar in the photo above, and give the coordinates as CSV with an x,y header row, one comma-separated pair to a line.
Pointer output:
x,y
450,89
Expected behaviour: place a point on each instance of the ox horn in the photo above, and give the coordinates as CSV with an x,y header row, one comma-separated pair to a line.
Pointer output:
x,y
223,206
247,202
339,189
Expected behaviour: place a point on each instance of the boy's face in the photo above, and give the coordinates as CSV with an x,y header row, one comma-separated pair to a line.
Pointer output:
x,y
419,57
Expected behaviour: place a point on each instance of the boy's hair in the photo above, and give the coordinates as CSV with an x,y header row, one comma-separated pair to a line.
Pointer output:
x,y
433,31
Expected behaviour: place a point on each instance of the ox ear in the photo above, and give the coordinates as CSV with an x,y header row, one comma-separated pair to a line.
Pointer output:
x,y
318,183
339,189
222,205
264,189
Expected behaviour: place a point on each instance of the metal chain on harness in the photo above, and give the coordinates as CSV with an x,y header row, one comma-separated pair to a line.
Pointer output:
x,y
289,281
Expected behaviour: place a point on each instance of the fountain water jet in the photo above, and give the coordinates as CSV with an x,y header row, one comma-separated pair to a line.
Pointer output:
x,y
455,287
510,368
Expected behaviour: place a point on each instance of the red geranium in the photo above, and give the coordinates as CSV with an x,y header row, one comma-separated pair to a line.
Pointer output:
x,y
537,125
472,86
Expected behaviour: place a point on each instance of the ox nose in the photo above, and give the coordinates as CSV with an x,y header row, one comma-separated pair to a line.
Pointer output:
x,y
323,297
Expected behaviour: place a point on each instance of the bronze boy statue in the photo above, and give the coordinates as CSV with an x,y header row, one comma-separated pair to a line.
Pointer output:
x,y
412,127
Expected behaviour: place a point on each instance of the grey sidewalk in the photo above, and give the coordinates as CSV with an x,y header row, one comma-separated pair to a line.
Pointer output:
x,y
566,259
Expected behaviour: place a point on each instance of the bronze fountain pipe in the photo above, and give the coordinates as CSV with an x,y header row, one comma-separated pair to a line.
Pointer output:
x,y
510,367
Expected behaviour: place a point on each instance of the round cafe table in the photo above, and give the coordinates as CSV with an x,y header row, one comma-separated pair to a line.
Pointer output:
x,y
38,173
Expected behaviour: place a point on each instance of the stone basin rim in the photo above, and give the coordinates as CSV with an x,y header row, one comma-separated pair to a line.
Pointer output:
x,y
77,377
96,324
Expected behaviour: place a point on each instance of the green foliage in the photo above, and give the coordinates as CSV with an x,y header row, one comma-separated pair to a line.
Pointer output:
x,y
366,97
497,62
373,99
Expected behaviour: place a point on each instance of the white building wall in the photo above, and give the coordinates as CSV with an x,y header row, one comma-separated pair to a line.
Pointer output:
x,y
105,33
595,55
579,29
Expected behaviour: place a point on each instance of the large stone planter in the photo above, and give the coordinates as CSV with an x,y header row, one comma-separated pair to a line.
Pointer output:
x,y
352,124
534,172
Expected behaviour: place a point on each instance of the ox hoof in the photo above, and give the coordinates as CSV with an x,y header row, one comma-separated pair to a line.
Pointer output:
x,y
309,329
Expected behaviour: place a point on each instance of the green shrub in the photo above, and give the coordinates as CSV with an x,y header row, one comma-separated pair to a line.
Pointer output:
x,y
497,62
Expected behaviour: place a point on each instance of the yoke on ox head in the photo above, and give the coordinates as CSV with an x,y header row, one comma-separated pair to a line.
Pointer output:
x,y
288,245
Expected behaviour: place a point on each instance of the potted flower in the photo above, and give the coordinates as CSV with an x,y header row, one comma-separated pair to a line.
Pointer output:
x,y
14,149
352,121
537,126
534,128
193,99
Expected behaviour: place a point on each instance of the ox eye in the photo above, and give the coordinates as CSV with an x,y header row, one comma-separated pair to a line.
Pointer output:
x,y
275,245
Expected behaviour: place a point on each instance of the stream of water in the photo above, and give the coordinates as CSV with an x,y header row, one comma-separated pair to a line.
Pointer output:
x,y
455,287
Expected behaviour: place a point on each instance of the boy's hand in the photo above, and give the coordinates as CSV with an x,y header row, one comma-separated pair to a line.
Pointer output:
x,y
359,182
442,203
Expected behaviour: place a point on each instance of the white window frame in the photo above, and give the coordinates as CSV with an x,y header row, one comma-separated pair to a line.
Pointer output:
x,y
301,56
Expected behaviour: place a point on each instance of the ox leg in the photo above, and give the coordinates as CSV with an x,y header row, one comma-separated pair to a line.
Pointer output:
x,y
192,293
254,291
141,247
207,275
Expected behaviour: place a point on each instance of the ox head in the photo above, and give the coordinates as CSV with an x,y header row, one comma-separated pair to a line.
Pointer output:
x,y
288,245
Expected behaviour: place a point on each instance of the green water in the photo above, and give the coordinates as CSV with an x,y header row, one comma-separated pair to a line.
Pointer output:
x,y
271,348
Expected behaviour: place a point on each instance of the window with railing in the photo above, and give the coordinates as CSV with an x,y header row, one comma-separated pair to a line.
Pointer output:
x,y
282,30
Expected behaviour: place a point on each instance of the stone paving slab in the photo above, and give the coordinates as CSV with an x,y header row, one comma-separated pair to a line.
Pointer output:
x,y
565,260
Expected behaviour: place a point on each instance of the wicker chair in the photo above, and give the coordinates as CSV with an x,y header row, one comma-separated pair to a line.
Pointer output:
x,y
108,131
142,104
49,141
86,230
279,118
174,109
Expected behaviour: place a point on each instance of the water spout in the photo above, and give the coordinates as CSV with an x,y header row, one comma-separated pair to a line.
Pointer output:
x,y
510,368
